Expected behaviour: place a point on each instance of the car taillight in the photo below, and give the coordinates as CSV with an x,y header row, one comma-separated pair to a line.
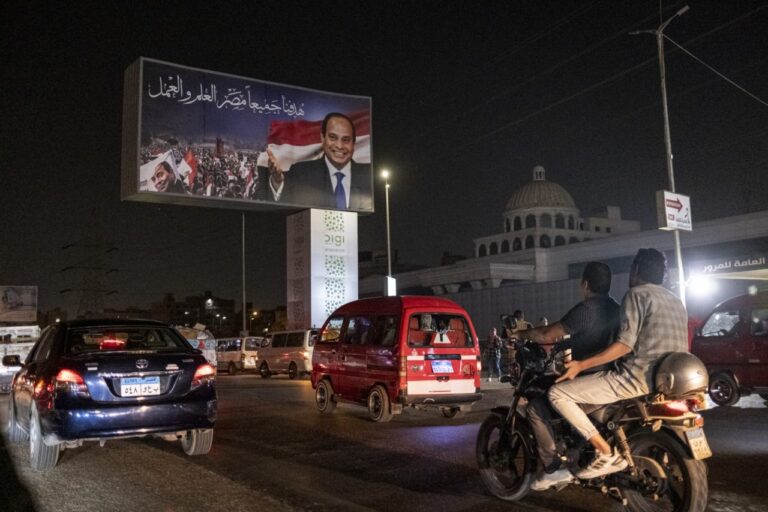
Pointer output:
x,y
69,380
204,374
403,372
306,354
479,365
468,370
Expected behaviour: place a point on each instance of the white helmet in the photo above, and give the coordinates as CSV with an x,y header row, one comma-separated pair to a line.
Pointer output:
x,y
680,374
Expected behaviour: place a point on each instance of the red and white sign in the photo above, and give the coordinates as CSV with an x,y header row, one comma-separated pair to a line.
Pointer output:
x,y
673,211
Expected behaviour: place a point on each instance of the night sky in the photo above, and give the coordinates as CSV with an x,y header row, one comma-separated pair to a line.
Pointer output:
x,y
467,98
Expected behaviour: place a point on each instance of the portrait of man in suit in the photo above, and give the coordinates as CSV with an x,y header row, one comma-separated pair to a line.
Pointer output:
x,y
334,181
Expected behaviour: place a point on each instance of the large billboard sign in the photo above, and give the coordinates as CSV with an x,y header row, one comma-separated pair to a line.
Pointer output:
x,y
199,137
18,304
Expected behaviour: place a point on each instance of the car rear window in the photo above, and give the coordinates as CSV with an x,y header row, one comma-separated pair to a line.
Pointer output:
x,y
121,339
438,330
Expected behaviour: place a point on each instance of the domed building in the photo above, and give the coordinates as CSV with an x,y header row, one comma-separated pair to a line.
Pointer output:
x,y
542,214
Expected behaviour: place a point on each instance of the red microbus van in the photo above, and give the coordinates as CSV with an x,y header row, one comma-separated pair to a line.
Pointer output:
x,y
392,352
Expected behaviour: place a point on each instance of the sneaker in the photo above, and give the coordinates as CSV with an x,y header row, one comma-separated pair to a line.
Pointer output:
x,y
603,465
547,480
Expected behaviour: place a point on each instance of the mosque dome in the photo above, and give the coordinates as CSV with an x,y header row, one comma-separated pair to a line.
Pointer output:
x,y
540,192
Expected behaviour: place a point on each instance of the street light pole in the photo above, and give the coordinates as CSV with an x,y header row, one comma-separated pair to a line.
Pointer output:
x,y
659,32
385,175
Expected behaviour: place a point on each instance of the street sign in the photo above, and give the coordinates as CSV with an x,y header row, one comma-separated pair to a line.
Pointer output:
x,y
673,211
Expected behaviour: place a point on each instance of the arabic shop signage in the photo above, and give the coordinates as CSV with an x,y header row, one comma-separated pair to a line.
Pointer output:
x,y
729,265
673,211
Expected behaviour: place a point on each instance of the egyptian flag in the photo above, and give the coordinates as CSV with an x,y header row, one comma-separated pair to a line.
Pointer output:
x,y
147,170
188,169
296,141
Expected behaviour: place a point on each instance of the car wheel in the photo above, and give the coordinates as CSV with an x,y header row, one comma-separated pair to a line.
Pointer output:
x,y
232,369
197,442
723,389
41,456
324,398
16,434
293,371
378,405
264,371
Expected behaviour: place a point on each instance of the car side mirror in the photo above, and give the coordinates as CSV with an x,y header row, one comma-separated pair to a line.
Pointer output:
x,y
12,360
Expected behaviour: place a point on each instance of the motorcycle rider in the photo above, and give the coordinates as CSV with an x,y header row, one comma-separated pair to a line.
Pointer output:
x,y
592,324
653,324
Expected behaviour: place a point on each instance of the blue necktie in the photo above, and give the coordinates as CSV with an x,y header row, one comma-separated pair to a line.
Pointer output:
x,y
338,192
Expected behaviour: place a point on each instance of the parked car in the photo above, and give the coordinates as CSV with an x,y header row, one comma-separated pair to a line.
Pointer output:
x,y
388,353
733,344
288,352
238,354
94,380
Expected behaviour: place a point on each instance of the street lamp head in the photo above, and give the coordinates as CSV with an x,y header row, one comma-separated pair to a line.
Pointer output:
x,y
385,174
682,11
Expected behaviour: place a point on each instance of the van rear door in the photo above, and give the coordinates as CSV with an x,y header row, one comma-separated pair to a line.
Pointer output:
x,y
442,357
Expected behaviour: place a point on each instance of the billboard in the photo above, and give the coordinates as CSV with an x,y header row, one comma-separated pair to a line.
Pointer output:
x,y
18,304
199,137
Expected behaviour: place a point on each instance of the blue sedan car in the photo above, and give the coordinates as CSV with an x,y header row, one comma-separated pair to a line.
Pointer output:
x,y
94,380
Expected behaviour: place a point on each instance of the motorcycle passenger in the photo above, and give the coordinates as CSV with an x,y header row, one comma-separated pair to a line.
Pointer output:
x,y
592,324
653,324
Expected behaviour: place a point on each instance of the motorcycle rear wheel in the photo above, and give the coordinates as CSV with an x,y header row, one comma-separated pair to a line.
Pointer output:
x,y
684,490
507,471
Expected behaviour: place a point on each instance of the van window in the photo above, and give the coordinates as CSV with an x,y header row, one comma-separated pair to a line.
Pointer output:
x,y
385,330
358,330
295,339
438,330
759,322
332,329
252,344
279,340
720,323
234,345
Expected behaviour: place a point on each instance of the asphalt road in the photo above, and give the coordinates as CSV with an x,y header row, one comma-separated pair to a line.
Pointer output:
x,y
273,451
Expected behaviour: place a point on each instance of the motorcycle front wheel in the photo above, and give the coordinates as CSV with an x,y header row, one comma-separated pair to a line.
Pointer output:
x,y
685,487
507,468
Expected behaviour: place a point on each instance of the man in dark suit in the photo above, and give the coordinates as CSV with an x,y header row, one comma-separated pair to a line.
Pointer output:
x,y
332,181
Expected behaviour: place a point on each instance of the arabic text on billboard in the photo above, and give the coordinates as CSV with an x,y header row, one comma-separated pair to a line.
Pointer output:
x,y
201,137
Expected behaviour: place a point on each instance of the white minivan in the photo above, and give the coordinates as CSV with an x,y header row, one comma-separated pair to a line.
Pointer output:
x,y
287,352
237,354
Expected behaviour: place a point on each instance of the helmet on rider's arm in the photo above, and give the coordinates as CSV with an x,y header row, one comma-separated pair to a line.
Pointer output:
x,y
681,374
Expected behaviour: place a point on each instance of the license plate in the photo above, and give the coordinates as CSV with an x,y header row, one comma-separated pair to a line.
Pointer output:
x,y
698,443
140,386
442,367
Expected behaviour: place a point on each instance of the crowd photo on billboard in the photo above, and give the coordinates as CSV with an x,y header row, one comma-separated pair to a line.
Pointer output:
x,y
210,135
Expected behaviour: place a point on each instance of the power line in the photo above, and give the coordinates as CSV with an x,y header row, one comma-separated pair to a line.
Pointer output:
x,y
717,72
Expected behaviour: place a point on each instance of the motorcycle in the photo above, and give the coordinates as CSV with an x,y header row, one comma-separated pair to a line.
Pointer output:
x,y
661,436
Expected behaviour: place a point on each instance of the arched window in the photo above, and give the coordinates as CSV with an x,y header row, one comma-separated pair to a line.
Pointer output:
x,y
559,221
506,226
530,221
494,249
481,253
505,246
529,242
559,240
518,224
517,244
573,240
545,242
546,221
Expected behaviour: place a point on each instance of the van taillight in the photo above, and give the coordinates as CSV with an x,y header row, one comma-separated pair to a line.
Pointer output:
x,y
204,374
403,372
479,365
